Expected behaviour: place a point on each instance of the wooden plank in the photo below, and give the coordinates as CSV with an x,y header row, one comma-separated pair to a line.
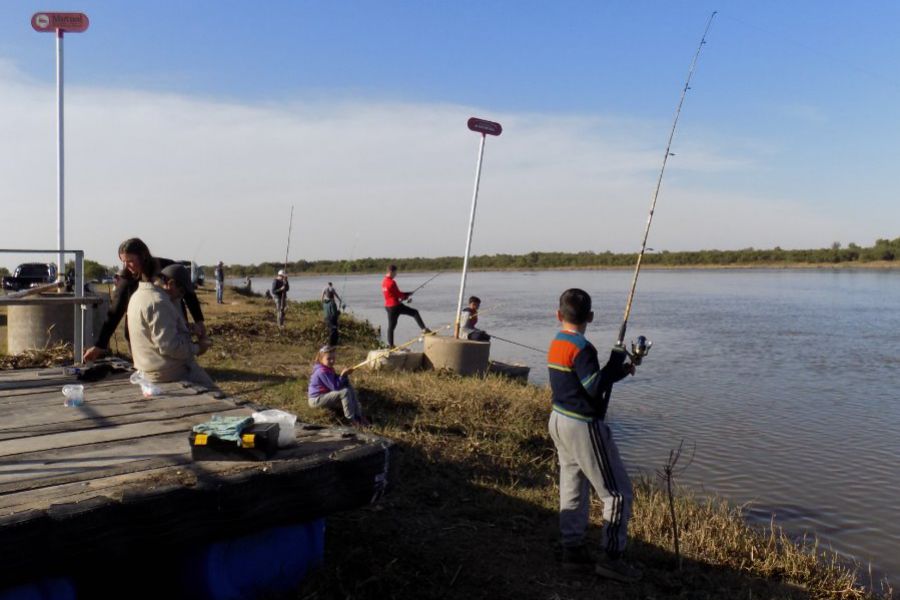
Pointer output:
x,y
106,434
103,415
57,466
37,493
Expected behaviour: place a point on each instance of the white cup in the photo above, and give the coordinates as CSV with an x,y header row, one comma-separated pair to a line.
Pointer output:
x,y
74,394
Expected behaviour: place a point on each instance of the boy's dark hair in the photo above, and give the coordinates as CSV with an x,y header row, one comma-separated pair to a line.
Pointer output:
x,y
474,299
392,267
575,306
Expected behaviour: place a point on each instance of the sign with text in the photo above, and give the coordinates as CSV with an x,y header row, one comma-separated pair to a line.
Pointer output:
x,y
485,127
56,21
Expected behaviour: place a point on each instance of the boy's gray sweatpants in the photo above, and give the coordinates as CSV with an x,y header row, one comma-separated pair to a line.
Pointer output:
x,y
346,397
589,457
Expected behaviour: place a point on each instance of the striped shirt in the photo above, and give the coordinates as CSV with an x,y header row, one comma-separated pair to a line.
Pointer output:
x,y
577,382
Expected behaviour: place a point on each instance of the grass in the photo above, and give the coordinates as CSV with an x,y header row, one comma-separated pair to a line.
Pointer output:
x,y
473,513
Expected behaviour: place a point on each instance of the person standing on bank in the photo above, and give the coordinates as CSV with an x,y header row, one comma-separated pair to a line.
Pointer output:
x,y
139,265
280,287
331,307
588,456
161,344
393,304
220,282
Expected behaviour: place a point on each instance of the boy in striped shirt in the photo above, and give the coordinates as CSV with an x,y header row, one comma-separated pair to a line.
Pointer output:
x,y
588,457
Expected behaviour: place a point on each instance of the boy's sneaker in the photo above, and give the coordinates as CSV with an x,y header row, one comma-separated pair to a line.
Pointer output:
x,y
427,331
577,558
617,570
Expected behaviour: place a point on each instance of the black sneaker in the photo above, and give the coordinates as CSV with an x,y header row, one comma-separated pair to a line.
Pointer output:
x,y
427,331
618,570
577,558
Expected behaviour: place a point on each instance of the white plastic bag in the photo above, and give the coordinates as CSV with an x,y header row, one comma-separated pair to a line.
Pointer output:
x,y
285,420
148,388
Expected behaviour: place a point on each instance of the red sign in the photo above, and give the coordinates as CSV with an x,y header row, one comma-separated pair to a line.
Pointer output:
x,y
486,127
55,21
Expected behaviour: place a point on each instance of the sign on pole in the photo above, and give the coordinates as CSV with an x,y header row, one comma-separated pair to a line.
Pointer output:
x,y
52,21
485,127
59,23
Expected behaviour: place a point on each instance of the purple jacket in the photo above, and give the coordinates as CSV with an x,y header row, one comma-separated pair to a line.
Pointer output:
x,y
324,380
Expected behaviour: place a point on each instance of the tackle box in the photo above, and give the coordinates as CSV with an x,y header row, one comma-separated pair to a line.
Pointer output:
x,y
258,442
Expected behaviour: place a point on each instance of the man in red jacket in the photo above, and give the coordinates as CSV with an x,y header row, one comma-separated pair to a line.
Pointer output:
x,y
393,304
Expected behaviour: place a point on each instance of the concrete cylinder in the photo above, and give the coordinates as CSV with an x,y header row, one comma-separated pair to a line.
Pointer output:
x,y
40,324
464,357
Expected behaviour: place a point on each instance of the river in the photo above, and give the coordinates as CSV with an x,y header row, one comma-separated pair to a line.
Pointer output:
x,y
782,383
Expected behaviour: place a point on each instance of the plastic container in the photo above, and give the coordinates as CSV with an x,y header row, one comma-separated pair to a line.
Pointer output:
x,y
74,394
286,432
269,563
148,388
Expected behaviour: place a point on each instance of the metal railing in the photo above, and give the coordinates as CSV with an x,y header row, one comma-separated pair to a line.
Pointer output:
x,y
82,316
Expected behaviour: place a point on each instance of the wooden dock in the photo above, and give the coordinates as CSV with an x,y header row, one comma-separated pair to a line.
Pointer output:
x,y
115,474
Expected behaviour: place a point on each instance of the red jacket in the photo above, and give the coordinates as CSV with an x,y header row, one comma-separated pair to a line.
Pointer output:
x,y
392,294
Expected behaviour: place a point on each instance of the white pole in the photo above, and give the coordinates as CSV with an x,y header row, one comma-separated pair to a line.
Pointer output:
x,y
462,284
60,158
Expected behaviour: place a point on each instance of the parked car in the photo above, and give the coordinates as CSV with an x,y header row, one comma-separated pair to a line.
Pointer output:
x,y
196,271
28,275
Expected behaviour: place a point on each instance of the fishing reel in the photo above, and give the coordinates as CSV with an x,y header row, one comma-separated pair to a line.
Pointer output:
x,y
639,350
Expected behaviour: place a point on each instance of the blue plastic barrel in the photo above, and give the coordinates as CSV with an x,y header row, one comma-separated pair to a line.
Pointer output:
x,y
271,561
48,589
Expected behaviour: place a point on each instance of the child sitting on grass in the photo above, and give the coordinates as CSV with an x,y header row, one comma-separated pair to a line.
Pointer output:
x,y
588,456
329,390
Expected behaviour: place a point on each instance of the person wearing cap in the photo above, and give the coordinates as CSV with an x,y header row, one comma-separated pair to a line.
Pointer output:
x,y
393,304
280,287
161,344
327,389
220,282
138,265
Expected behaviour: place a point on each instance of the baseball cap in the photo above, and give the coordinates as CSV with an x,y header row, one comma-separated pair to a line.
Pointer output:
x,y
281,271
180,275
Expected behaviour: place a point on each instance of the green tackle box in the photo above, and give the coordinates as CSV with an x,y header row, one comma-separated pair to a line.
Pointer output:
x,y
258,442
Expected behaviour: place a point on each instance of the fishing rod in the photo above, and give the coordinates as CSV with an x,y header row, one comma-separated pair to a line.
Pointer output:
x,y
424,284
390,351
639,350
288,249
346,271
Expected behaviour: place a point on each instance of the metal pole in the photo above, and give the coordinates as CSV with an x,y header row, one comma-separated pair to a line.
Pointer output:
x,y
60,160
80,309
462,284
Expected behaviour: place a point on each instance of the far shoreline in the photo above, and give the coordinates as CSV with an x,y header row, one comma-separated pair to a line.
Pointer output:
x,y
881,265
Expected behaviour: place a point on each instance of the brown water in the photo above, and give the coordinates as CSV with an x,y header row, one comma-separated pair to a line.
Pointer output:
x,y
785,382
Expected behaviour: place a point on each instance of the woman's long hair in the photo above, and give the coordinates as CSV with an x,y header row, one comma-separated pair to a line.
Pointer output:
x,y
149,265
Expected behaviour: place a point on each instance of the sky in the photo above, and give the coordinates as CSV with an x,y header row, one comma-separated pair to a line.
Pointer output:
x,y
197,126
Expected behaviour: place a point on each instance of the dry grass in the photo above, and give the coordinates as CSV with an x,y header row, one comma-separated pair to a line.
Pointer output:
x,y
473,513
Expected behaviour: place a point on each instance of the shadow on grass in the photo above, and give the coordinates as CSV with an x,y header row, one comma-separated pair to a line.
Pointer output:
x,y
443,533
265,381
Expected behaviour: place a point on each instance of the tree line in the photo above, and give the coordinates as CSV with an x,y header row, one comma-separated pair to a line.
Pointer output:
x,y
881,250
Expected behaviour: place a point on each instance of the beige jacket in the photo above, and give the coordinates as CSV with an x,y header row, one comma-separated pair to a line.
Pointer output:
x,y
161,343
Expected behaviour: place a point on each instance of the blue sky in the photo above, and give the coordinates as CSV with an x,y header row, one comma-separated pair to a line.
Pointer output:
x,y
196,125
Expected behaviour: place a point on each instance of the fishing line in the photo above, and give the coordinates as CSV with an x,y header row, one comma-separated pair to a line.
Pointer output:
x,y
668,153
497,337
